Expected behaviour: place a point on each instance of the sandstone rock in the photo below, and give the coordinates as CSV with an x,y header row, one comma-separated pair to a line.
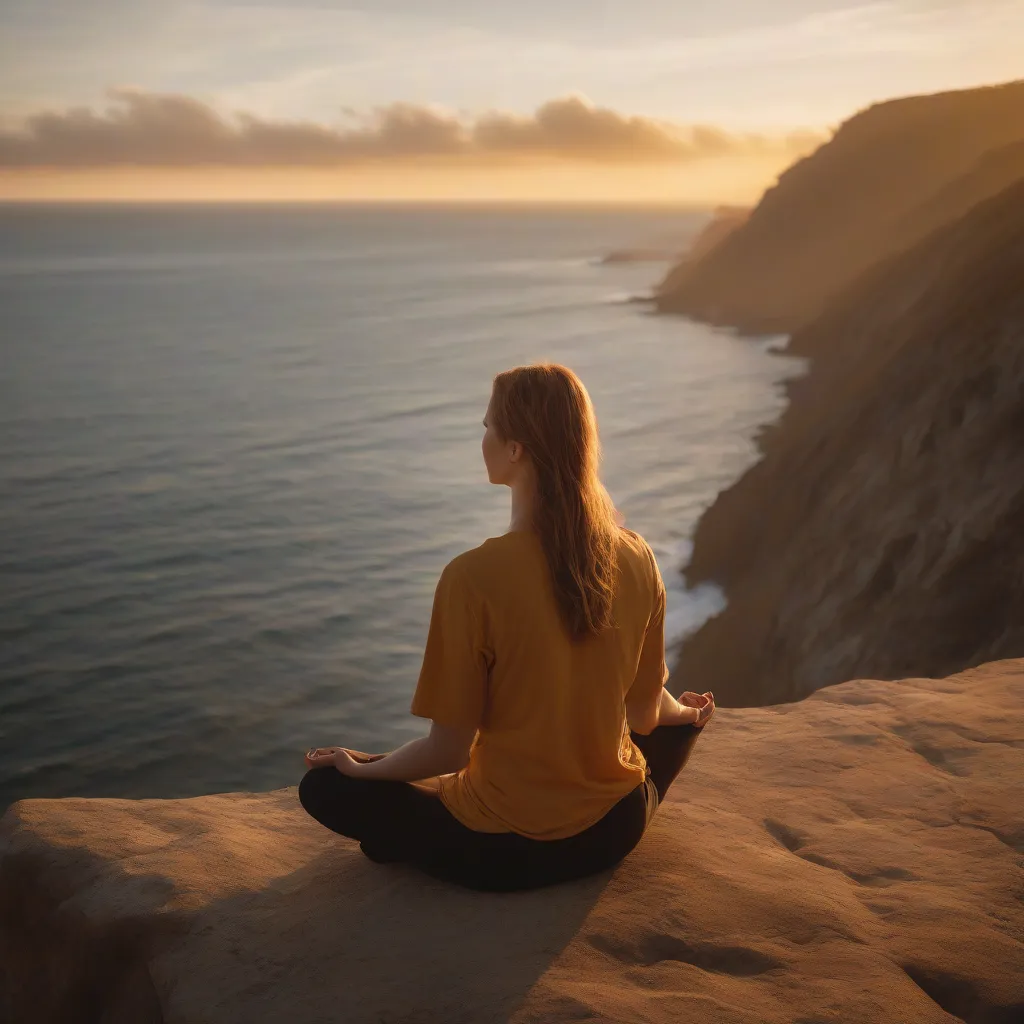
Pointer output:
x,y
855,857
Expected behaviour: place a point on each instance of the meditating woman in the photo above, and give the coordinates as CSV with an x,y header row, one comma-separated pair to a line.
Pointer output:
x,y
552,737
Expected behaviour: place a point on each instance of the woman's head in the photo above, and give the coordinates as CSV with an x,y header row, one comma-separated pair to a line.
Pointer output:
x,y
541,430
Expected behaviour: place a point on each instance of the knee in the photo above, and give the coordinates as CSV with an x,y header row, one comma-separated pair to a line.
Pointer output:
x,y
330,797
313,788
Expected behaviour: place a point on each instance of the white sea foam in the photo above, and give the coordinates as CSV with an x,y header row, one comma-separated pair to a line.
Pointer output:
x,y
628,298
687,609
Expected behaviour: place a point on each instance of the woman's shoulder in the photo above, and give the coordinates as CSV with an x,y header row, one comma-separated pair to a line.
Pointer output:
x,y
635,551
494,552
633,542
515,548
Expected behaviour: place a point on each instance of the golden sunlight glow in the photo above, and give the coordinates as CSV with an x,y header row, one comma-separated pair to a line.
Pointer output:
x,y
730,180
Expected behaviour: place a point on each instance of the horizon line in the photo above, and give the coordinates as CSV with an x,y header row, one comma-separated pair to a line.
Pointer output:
x,y
680,204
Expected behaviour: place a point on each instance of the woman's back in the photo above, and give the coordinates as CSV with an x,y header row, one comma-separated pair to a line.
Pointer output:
x,y
553,754
546,645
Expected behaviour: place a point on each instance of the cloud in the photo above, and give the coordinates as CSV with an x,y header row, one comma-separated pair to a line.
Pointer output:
x,y
145,129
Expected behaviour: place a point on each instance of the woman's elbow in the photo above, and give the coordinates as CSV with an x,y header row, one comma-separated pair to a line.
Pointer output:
x,y
644,722
452,761
453,746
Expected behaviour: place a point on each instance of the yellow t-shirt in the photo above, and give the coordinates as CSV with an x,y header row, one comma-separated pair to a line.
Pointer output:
x,y
553,753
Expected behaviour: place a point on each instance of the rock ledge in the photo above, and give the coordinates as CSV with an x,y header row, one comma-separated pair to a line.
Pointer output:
x,y
856,856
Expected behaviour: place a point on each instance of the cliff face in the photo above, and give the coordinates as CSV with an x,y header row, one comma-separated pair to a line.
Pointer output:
x,y
995,171
725,220
785,880
877,187
883,531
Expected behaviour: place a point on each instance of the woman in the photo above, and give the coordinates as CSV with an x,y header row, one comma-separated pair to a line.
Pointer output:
x,y
552,737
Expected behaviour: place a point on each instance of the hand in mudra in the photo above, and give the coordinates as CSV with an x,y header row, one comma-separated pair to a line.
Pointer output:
x,y
337,757
705,702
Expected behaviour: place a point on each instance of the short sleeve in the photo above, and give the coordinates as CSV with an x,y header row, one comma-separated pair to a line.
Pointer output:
x,y
652,671
452,685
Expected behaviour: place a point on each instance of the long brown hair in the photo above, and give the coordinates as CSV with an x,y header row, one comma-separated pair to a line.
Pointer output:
x,y
546,408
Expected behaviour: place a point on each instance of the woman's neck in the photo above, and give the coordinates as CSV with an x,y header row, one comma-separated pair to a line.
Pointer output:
x,y
523,498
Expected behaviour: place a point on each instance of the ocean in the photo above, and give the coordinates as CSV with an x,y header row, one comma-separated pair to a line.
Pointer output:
x,y
239,444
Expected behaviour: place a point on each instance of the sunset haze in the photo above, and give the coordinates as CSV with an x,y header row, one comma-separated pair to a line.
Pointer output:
x,y
646,101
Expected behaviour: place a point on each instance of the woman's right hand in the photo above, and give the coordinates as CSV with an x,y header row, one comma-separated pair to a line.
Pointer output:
x,y
704,702
356,755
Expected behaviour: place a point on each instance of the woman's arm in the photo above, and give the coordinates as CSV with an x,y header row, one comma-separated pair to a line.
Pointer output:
x,y
668,711
445,749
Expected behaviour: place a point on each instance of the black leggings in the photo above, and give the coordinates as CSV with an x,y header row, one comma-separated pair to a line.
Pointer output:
x,y
396,821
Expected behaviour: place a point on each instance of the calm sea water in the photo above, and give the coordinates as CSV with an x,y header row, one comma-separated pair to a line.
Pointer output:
x,y
240,443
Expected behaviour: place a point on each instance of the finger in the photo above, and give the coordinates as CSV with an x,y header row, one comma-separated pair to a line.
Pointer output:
x,y
344,763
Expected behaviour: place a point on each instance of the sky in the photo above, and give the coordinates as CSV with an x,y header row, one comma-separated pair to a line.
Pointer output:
x,y
593,98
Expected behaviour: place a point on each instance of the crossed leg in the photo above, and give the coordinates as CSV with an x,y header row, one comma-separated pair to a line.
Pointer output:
x,y
401,821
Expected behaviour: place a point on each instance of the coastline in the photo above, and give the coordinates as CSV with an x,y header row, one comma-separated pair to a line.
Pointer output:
x,y
864,540
876,537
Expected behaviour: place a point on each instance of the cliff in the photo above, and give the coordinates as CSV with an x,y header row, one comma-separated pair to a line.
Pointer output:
x,y
883,531
876,188
854,857
724,221
995,171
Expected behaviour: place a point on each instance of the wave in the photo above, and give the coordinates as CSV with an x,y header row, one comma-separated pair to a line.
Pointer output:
x,y
688,609
628,298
